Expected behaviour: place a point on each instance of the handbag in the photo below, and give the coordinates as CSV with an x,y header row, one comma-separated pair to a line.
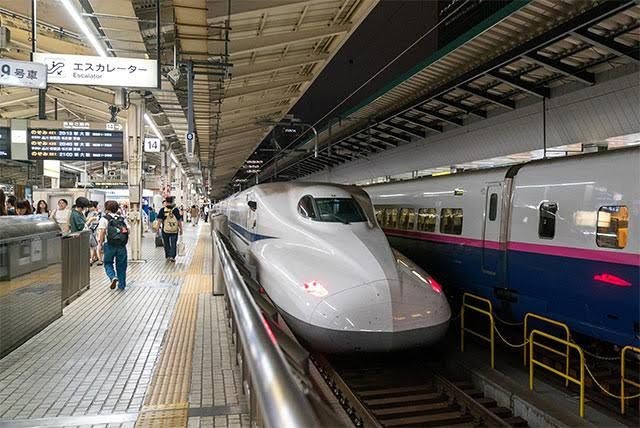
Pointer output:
x,y
181,249
159,241
155,225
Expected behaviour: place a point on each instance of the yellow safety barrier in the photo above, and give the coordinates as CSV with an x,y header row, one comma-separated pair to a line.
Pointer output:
x,y
624,380
532,362
488,313
555,351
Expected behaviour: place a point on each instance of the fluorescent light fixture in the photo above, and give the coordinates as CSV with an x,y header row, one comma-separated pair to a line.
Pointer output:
x,y
153,126
79,20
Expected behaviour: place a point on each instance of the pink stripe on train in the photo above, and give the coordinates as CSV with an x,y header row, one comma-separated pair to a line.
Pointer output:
x,y
552,250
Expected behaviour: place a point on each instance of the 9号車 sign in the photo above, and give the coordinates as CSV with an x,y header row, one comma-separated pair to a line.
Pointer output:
x,y
99,71
23,74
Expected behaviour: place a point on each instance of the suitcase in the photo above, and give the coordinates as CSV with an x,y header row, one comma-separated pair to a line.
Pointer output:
x,y
159,242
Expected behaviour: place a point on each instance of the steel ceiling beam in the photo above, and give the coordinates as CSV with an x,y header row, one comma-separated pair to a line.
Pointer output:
x,y
399,137
541,92
412,131
251,89
242,71
421,123
559,67
494,99
632,52
436,114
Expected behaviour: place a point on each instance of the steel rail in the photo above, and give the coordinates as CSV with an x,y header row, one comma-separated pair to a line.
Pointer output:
x,y
279,396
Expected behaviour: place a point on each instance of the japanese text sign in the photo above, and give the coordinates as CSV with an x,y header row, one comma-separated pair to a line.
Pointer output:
x,y
99,71
23,73
47,141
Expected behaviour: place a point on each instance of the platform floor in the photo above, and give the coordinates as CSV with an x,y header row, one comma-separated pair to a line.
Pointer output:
x,y
156,354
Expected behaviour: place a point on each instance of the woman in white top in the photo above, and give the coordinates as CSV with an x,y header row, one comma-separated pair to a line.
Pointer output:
x,y
61,215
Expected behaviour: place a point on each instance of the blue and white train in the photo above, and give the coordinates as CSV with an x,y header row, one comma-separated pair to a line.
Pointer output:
x,y
327,266
557,237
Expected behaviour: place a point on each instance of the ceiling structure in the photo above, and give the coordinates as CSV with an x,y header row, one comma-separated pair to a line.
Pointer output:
x,y
524,51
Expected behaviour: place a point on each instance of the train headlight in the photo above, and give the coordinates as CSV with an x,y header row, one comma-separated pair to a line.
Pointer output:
x,y
315,289
435,286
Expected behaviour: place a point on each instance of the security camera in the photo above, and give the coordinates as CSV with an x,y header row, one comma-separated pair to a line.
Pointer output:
x,y
174,76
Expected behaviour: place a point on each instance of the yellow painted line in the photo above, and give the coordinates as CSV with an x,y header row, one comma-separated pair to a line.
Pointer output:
x,y
166,402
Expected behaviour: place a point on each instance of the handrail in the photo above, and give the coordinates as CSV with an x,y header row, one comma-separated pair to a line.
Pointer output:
x,y
557,324
489,314
533,362
278,394
623,380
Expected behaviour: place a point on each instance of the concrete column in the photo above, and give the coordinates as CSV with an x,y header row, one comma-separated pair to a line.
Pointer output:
x,y
135,138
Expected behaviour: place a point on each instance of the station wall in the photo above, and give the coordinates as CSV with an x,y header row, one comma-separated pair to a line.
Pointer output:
x,y
611,108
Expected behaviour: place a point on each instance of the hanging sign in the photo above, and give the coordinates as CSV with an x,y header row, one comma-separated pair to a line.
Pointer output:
x,y
69,141
99,71
152,145
189,140
24,74
5,143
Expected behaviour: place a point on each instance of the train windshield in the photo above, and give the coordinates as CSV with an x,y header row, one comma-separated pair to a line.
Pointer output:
x,y
336,210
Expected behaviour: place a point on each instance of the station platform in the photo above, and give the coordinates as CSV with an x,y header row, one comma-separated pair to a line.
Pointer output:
x,y
158,353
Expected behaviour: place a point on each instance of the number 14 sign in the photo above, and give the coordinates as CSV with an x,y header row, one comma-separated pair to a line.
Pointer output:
x,y
152,145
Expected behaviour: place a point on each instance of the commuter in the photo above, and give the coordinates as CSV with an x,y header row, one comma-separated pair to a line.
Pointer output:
x,y
3,203
62,215
195,215
77,220
152,215
42,208
206,213
171,221
113,235
23,207
11,205
92,223
182,213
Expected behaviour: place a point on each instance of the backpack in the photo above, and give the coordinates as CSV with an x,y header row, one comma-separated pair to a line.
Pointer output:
x,y
117,231
170,222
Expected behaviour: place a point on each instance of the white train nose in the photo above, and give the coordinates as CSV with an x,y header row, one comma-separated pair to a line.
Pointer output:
x,y
381,306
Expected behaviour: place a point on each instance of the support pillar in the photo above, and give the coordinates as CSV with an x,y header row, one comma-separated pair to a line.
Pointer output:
x,y
135,137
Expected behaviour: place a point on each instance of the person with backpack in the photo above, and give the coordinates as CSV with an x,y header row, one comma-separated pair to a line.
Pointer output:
x,y
113,235
171,226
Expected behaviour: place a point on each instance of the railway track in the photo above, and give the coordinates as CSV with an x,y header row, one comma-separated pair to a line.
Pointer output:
x,y
408,389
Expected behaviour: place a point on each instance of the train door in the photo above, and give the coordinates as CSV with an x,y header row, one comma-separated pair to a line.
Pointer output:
x,y
492,254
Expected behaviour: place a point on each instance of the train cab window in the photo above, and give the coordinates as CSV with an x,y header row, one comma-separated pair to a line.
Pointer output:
x,y
547,222
391,217
306,208
613,226
493,207
407,218
451,221
427,219
344,210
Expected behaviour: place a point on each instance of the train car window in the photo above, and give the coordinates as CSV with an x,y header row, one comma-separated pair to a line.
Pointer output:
x,y
407,218
493,207
451,221
391,218
427,219
547,222
613,226
343,210
306,208
379,216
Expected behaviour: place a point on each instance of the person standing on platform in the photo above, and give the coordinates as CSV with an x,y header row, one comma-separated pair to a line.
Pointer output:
x,y
23,207
77,220
171,221
195,215
206,213
61,215
11,205
93,221
42,208
3,203
113,235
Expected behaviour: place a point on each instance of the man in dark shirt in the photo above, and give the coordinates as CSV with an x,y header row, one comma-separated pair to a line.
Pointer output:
x,y
78,220
171,226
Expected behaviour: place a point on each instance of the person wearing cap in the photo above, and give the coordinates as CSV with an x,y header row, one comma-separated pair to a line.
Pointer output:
x,y
78,220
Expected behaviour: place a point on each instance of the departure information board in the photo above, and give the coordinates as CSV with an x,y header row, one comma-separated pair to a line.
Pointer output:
x,y
5,142
75,144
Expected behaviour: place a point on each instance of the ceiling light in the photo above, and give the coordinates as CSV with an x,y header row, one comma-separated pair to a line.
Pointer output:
x,y
83,26
153,126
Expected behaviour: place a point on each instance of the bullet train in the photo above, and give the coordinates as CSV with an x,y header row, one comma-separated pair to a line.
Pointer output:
x,y
327,266
557,237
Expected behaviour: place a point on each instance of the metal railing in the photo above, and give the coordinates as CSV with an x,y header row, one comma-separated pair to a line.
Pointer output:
x,y
623,379
533,362
548,348
276,398
488,313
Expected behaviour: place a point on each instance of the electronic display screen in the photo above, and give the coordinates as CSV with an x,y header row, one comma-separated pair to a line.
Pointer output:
x,y
75,144
5,143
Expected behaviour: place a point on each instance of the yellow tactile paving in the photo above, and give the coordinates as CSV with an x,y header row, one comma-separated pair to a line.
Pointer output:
x,y
166,402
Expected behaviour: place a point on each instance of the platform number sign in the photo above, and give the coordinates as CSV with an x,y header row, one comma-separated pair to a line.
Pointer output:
x,y
152,145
